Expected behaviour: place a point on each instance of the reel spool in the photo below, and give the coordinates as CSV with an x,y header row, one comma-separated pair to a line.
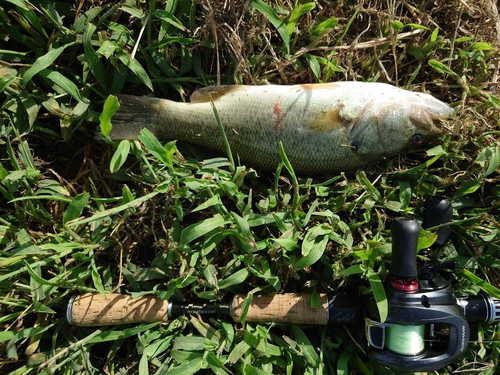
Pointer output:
x,y
405,339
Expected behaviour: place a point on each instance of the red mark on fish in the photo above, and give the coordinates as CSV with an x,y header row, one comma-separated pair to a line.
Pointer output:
x,y
278,126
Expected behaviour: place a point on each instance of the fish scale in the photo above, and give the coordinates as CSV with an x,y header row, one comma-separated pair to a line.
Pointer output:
x,y
324,128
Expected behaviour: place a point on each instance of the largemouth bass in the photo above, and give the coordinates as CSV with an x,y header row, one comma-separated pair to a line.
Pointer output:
x,y
325,128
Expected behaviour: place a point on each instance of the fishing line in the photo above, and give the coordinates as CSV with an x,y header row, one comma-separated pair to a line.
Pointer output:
x,y
405,339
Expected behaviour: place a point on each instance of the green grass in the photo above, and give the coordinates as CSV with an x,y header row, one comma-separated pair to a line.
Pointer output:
x,y
79,215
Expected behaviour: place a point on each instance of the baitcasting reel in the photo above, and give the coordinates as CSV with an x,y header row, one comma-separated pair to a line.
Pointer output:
x,y
427,325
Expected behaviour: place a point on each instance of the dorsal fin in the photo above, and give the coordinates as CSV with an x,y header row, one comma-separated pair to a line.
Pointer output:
x,y
212,93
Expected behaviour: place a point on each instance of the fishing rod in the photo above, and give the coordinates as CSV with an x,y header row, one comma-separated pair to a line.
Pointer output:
x,y
427,326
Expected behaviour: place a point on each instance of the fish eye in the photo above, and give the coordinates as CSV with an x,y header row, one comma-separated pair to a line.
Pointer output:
x,y
416,138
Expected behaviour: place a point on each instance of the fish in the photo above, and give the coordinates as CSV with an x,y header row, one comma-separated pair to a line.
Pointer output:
x,y
324,128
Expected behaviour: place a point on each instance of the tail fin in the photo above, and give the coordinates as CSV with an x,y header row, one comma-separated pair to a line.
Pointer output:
x,y
135,114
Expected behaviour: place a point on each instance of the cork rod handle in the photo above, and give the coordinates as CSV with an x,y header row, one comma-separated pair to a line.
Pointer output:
x,y
289,308
94,309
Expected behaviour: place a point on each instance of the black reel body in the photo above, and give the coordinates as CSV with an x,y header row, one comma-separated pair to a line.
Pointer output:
x,y
424,331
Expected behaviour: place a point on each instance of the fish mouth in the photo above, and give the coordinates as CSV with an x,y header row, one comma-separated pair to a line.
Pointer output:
x,y
430,122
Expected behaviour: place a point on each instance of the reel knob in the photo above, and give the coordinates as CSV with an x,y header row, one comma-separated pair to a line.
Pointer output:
x,y
438,211
405,232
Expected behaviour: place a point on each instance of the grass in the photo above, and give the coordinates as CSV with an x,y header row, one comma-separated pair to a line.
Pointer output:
x,y
79,215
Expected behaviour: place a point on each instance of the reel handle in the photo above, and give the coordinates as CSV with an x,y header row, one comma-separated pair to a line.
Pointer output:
x,y
438,211
405,232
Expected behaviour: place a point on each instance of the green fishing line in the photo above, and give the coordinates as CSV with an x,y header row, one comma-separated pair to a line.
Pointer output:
x,y
405,339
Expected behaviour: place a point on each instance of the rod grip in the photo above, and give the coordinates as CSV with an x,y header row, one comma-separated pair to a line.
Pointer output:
x,y
94,309
288,308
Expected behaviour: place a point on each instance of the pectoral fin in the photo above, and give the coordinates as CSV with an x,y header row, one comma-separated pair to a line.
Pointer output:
x,y
327,120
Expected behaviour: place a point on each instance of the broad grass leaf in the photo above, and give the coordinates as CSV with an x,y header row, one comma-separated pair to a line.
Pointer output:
x,y
37,278
127,194
91,58
315,300
212,201
426,239
85,19
113,335
188,343
31,106
370,254
76,207
42,308
22,4
313,247
112,211
323,26
368,186
61,81
30,15
307,349
120,156
483,46
201,228
210,274
485,286
238,351
342,363
314,65
251,370
96,278
80,109
169,18
236,278
440,67
494,100
6,335
436,152
298,11
275,20
417,26
189,368
111,105
353,270
136,67
286,161
467,188
244,229
288,244
434,34
7,78
154,146
494,161
491,157
43,62
224,136
404,194
378,293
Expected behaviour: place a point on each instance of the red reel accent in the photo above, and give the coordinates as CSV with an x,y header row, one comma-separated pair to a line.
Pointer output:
x,y
405,286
